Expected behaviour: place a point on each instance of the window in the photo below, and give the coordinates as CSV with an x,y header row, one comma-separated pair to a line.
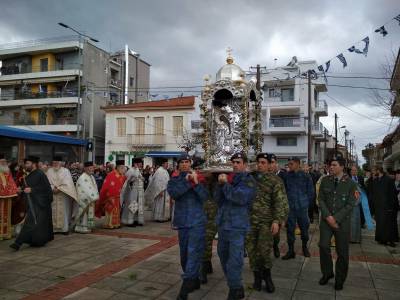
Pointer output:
x,y
44,65
177,126
286,141
139,126
130,81
121,126
287,95
272,93
159,125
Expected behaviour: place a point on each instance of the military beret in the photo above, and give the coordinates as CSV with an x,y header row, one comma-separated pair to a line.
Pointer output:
x,y
272,157
239,155
294,158
262,155
184,156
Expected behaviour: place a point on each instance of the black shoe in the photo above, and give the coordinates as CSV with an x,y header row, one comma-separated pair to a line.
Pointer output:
x,y
269,285
15,246
305,251
207,265
325,278
196,284
235,294
203,275
290,254
257,285
277,253
338,286
184,291
65,233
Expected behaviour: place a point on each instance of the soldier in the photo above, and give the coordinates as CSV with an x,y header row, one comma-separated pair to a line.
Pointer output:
x,y
234,196
300,193
337,197
270,209
189,194
274,168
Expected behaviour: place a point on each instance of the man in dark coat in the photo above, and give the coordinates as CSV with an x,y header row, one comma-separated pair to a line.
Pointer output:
x,y
386,206
38,227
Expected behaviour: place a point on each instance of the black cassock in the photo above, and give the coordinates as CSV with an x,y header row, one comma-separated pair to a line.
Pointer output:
x,y
41,197
385,205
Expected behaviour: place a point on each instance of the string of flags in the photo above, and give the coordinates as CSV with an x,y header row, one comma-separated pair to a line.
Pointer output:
x,y
353,49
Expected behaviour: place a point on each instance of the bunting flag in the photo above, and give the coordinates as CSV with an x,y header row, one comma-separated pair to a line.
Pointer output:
x,y
342,60
327,65
354,49
382,30
321,68
397,19
364,51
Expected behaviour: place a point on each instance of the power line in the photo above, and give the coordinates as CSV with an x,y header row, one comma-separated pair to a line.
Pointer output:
x,y
360,114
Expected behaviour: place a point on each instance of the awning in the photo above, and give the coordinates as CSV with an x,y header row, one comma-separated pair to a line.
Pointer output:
x,y
164,153
39,136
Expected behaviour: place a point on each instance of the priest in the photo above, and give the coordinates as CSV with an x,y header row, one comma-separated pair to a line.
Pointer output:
x,y
8,192
109,202
38,226
156,194
132,200
64,195
87,196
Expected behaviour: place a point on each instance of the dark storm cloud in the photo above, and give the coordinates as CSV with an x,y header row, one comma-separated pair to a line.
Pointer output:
x,y
184,40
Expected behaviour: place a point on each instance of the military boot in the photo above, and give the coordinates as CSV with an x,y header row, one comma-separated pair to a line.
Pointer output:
x,y
257,285
277,253
269,285
203,274
207,265
184,291
305,250
235,294
290,254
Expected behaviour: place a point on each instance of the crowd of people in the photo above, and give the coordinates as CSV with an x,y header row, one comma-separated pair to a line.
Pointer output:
x,y
246,209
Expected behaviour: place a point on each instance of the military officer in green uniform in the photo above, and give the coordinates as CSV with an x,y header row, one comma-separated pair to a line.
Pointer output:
x,y
269,211
337,197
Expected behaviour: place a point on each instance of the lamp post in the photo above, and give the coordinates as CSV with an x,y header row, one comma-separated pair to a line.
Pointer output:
x,y
80,68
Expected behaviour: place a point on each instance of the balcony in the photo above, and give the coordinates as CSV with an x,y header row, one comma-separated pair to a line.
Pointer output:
x,y
67,124
146,140
321,109
318,130
29,98
15,74
286,125
115,83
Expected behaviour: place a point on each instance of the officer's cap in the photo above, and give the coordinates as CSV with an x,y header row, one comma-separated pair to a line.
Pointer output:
x,y
239,155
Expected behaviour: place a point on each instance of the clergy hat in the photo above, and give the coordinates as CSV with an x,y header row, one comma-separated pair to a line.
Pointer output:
x,y
263,155
294,158
184,156
137,160
2,156
32,158
120,162
57,158
239,155
88,164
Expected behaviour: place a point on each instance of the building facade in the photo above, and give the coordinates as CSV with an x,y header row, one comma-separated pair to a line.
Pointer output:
x,y
153,129
49,85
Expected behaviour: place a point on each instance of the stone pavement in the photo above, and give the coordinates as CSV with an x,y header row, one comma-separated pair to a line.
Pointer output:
x,y
143,263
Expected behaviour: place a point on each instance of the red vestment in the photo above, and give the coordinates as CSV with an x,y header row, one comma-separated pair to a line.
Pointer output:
x,y
8,190
109,201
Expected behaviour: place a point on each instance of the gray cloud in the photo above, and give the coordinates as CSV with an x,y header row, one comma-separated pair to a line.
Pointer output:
x,y
184,40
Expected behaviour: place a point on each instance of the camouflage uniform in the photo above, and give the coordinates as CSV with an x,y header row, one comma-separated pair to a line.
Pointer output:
x,y
210,208
270,206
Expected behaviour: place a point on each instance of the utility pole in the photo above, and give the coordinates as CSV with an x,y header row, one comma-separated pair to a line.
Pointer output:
x,y
137,78
257,116
309,117
336,143
346,133
351,150
325,141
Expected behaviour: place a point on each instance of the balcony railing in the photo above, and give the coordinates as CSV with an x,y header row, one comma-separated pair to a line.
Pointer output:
x,y
39,42
115,82
30,95
55,121
23,68
286,122
319,127
140,140
322,105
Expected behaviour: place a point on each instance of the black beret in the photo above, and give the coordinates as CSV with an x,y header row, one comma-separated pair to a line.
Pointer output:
x,y
120,162
184,156
263,155
88,164
239,155
32,158
294,158
272,157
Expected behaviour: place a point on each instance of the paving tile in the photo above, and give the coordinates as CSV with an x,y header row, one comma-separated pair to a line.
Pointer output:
x,y
384,271
91,294
387,284
351,291
152,265
114,284
31,285
311,285
388,295
58,262
300,295
8,279
279,294
84,266
134,273
163,277
148,289
11,295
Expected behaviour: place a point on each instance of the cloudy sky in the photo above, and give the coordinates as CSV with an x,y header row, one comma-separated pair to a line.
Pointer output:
x,y
184,40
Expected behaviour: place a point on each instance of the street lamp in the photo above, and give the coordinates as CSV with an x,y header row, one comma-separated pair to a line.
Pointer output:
x,y
80,68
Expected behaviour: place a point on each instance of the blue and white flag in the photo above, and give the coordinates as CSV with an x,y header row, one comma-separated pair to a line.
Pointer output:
x,y
321,68
327,65
364,51
342,60
382,30
397,19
